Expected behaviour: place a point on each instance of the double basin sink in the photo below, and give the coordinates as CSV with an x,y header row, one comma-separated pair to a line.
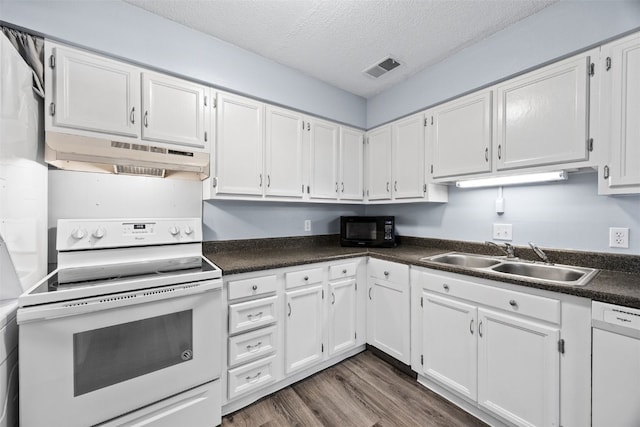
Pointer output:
x,y
514,267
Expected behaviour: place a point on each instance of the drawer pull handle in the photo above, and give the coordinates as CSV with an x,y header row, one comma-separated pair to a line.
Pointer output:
x,y
480,329
289,305
370,289
132,116
146,119
254,287
257,315
471,326
333,296
253,378
306,278
386,274
513,303
254,347
446,287
344,271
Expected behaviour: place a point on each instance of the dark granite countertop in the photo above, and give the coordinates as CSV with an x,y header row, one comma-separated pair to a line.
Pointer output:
x,y
618,281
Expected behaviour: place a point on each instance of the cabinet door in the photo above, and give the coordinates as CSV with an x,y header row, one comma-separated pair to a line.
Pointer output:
x,y
449,345
461,136
283,156
95,94
379,164
518,369
351,164
342,316
408,157
623,112
543,116
173,111
323,177
239,145
303,328
388,318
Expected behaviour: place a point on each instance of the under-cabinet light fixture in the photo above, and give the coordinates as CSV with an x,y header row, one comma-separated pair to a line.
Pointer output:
x,y
513,179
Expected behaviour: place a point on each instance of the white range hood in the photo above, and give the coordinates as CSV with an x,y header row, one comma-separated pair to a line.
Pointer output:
x,y
82,153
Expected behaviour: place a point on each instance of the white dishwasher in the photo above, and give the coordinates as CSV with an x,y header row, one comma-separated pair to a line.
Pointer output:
x,y
616,366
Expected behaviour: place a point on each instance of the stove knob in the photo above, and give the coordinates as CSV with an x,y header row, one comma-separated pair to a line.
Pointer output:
x,y
174,230
98,233
188,230
78,233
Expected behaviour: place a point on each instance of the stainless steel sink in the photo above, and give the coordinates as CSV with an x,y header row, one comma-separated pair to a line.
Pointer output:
x,y
551,273
464,260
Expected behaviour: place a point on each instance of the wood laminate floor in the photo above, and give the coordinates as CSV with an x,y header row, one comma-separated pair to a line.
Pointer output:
x,y
361,391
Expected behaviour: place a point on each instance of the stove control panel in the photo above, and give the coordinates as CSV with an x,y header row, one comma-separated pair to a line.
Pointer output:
x,y
80,234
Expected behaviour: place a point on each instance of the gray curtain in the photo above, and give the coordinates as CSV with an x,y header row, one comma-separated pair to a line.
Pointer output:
x,y
31,48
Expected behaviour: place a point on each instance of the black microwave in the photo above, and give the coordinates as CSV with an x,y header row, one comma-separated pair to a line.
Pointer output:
x,y
370,231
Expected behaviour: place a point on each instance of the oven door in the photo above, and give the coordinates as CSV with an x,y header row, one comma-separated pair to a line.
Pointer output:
x,y
86,361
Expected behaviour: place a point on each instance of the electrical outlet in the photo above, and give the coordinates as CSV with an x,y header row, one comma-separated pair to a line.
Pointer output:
x,y
307,225
618,237
502,232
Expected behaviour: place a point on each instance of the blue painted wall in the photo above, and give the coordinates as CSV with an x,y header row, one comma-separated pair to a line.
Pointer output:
x,y
122,30
556,31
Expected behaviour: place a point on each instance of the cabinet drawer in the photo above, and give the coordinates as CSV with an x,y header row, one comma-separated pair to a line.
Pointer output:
x,y
388,270
252,345
250,377
343,270
251,314
302,278
251,287
512,301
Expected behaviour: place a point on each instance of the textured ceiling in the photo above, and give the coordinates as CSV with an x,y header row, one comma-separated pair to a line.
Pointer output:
x,y
335,40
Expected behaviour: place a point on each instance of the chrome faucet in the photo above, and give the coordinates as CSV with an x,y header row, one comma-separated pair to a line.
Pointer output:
x,y
508,248
540,253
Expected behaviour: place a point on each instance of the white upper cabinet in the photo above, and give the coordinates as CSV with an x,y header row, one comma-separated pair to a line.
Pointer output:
x,y
408,157
283,153
351,167
174,111
379,163
460,132
323,172
543,116
620,113
92,93
239,142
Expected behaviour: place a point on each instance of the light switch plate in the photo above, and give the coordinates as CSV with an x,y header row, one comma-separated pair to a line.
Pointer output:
x,y
503,232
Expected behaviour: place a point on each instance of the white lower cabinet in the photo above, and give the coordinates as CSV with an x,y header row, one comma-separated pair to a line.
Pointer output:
x,y
304,344
388,321
497,352
342,319
288,323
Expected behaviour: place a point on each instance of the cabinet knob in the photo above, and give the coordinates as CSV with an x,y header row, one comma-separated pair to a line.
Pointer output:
x,y
306,278
386,274
446,287
254,287
344,271
513,303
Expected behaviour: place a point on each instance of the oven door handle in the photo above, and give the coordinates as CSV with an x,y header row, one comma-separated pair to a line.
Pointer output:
x,y
118,300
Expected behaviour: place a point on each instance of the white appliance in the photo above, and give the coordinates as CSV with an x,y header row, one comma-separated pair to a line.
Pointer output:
x,y
10,289
127,329
616,366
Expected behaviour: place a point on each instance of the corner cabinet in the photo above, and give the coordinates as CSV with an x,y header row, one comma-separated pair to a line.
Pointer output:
x,y
379,164
620,111
239,142
351,165
498,352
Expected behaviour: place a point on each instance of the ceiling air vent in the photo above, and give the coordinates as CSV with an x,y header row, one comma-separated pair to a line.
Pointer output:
x,y
382,67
